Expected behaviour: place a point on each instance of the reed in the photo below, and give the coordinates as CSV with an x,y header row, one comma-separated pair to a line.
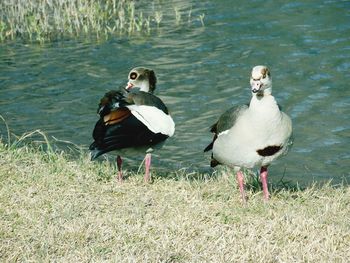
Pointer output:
x,y
45,20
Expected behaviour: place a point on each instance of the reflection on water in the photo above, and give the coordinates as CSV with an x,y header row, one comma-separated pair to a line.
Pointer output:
x,y
201,71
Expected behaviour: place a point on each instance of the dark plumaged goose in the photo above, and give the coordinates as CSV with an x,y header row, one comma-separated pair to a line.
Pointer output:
x,y
133,117
252,135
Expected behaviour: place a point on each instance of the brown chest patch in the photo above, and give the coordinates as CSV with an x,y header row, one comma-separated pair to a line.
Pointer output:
x,y
269,150
116,116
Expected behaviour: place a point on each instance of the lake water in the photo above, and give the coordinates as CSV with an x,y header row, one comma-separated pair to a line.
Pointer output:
x,y
201,72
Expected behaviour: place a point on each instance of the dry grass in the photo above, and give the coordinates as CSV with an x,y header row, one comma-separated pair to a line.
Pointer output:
x,y
60,209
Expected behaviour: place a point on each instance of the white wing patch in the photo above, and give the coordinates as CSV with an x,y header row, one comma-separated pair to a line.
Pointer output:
x,y
224,132
154,119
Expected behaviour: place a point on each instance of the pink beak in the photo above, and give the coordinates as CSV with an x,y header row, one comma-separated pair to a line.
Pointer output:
x,y
129,86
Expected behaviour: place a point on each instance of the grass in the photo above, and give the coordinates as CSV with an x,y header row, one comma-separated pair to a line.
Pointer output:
x,y
45,20
55,207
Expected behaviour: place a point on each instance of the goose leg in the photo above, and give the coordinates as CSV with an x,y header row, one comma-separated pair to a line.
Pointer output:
x,y
119,165
263,178
240,180
148,158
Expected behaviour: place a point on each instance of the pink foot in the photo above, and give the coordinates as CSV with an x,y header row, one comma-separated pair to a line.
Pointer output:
x,y
240,180
147,177
119,165
263,178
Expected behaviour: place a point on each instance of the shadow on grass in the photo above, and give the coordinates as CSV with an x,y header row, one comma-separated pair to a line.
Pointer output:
x,y
254,184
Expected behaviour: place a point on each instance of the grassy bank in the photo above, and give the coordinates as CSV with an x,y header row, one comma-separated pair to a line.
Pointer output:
x,y
56,208
44,20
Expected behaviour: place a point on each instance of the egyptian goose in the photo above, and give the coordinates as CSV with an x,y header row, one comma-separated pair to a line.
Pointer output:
x,y
133,117
252,135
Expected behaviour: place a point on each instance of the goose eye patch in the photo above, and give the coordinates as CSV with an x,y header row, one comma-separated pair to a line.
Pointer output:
x,y
133,75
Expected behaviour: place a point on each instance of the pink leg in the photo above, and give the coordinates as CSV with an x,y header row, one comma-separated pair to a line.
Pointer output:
x,y
119,165
263,178
240,180
147,177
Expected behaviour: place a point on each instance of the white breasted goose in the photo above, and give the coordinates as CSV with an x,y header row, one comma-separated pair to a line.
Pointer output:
x,y
132,118
252,135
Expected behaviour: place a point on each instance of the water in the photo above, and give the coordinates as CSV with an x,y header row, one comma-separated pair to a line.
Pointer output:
x,y
201,72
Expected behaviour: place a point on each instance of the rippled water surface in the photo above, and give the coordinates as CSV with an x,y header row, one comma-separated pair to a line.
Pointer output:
x,y
201,72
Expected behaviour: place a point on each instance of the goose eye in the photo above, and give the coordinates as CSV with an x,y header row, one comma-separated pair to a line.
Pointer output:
x,y
133,75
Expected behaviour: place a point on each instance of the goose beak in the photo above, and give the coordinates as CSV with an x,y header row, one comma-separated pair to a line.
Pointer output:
x,y
129,86
256,85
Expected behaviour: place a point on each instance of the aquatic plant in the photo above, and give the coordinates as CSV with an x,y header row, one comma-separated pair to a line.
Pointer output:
x,y
42,20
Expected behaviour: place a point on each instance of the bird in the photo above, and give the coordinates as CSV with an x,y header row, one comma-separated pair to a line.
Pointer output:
x,y
252,135
132,117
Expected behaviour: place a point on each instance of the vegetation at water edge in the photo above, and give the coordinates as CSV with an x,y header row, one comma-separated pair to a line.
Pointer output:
x,y
45,20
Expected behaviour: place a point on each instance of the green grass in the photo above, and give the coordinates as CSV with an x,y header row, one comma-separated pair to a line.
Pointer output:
x,y
60,208
45,20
